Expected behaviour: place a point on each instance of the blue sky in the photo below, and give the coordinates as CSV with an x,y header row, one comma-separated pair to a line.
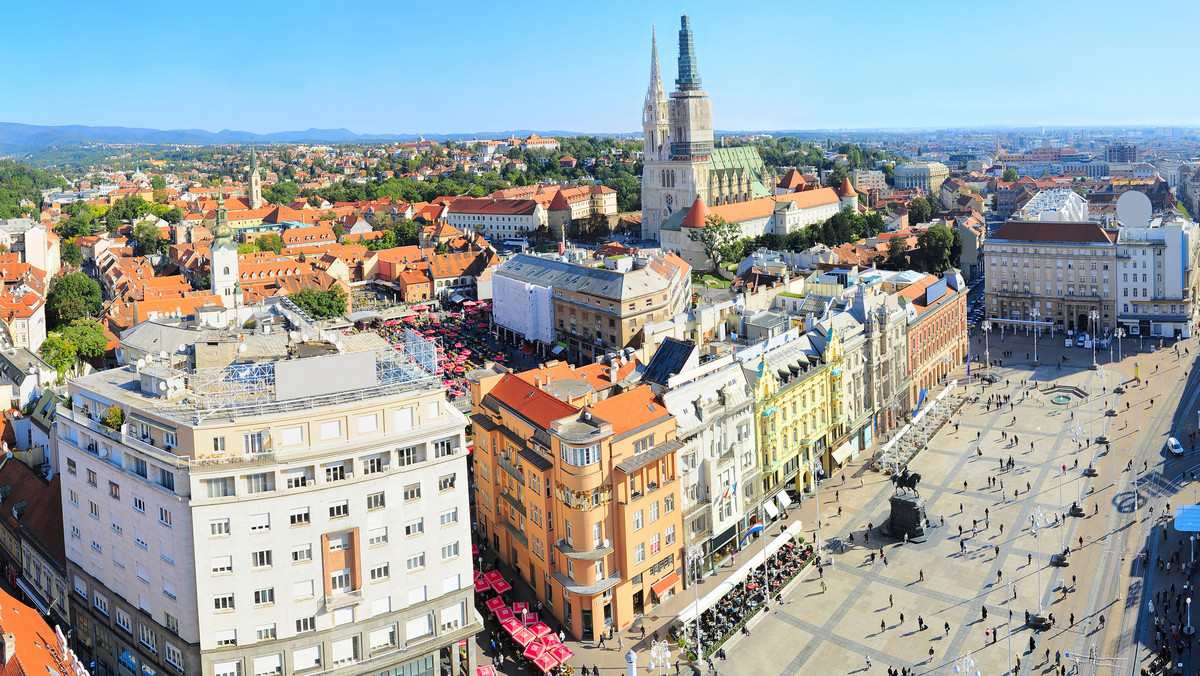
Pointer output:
x,y
460,67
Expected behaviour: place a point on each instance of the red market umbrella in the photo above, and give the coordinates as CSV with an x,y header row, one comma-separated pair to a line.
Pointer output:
x,y
534,651
523,636
501,587
495,604
511,625
551,641
530,619
505,614
494,576
481,586
478,575
546,662
539,629
489,670
474,550
520,606
562,653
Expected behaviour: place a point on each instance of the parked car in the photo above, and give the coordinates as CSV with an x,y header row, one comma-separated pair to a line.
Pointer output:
x,y
1079,339
1174,447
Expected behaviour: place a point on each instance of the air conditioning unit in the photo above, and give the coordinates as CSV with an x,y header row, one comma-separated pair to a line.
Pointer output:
x,y
561,542
608,543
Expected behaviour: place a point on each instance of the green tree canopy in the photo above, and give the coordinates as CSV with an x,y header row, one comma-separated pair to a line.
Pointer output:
x,y
269,242
897,253
956,247
174,215
1010,175
72,296
88,338
69,252
719,239
58,353
935,245
321,304
147,238
919,211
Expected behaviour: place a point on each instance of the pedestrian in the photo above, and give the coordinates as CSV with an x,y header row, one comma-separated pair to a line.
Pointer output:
x,y
984,612
905,535
931,652
987,635
1072,618
891,601
1101,620
1047,655
947,629
1002,529
1029,559
1032,644
901,618
921,573
643,632
1057,657
602,646
822,586
997,550
620,643
882,626
1014,587
839,510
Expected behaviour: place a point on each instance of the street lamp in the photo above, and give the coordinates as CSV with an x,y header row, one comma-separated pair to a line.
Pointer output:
x,y
987,354
965,665
695,554
1120,335
1189,629
660,655
1035,313
1094,316
1034,520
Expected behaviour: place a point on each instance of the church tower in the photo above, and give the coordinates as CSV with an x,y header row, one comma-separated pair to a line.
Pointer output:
x,y
223,261
678,173
255,182
654,114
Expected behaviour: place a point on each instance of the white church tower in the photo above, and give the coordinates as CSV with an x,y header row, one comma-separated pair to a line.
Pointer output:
x,y
256,200
676,166
223,261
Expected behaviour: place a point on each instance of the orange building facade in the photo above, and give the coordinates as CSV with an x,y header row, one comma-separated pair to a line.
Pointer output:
x,y
577,489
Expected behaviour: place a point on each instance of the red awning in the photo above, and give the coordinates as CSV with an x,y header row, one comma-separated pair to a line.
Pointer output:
x,y
664,584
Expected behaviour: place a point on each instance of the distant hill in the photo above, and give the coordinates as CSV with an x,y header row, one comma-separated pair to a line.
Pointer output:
x,y
15,137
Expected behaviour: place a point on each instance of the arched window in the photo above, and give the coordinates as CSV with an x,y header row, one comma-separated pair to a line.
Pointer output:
x,y
227,270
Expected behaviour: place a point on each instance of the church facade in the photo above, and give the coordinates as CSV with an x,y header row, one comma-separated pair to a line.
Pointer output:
x,y
681,163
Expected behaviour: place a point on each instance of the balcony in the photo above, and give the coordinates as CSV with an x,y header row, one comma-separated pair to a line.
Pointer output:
x,y
343,599
233,461
580,555
79,418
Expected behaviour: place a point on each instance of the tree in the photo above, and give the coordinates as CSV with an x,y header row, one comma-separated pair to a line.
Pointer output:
x,y
1010,175
58,353
158,183
72,296
441,248
935,245
591,227
897,254
269,242
919,211
247,247
837,175
174,215
339,231
956,247
719,239
147,238
69,253
321,304
88,338
629,191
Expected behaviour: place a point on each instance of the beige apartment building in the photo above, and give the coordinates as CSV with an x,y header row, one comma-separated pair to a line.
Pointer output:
x,y
927,176
253,503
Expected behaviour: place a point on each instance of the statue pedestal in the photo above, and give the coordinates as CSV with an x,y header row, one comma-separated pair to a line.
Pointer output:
x,y
908,517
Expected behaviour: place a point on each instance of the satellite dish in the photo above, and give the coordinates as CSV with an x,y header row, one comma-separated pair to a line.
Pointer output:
x,y
1134,209
163,354
141,363
182,347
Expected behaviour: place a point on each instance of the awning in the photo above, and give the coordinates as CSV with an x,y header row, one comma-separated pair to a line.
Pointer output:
x,y
664,584
771,509
782,500
843,453
457,298
32,596
558,349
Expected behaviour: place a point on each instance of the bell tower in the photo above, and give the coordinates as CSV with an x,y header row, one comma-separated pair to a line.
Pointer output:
x,y
255,181
223,261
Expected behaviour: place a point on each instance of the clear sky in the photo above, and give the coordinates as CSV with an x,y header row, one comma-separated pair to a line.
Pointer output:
x,y
398,66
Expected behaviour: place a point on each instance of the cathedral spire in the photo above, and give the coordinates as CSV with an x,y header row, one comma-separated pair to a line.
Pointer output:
x,y
689,75
654,74
655,94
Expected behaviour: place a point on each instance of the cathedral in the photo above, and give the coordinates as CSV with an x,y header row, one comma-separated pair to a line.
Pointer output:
x,y
681,164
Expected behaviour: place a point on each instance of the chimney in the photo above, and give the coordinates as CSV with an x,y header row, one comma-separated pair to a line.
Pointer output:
x,y
613,367
8,648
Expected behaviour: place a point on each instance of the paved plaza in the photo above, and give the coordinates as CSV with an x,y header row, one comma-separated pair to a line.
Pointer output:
x,y
874,608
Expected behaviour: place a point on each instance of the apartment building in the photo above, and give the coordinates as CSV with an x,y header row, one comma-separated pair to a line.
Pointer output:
x,y
577,488
1155,277
268,504
585,312
1064,270
496,219
937,330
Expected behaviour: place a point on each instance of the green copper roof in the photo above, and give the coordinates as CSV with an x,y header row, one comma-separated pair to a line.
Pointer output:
x,y
689,75
740,159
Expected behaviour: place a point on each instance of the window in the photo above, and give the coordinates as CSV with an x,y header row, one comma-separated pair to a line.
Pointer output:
x,y
218,528
73,497
220,487
654,511
383,638
222,564
265,632
261,559
94,509
446,483
404,419
169,589
339,509
375,501
409,456
416,562
639,553
166,479
306,624
418,627
368,423
412,492
380,572
670,535
450,551
91,477
224,602
449,518
139,504
331,429
377,536
340,542
252,444
302,554
96,546
114,490
375,464
228,668
444,447
414,527
335,471
638,520
580,457
218,445
300,517
655,543
668,504
339,581
299,478
260,483
174,656
123,621
164,516
269,665
260,522
148,638
303,589
264,596
71,466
